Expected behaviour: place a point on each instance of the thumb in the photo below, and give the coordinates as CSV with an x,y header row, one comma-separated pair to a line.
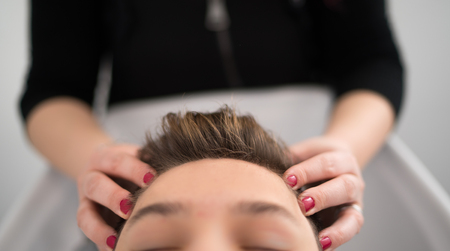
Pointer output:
x,y
309,148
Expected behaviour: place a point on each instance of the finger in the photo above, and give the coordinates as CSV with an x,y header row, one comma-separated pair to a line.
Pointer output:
x,y
343,189
312,147
125,166
321,167
100,188
93,226
132,150
348,225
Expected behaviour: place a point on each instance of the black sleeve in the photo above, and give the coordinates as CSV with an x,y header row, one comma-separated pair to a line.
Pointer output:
x,y
357,48
65,51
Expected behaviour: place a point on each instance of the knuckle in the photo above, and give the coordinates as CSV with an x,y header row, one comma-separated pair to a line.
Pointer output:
x,y
362,184
351,159
91,184
328,164
116,161
359,220
339,236
301,175
347,156
110,200
81,213
137,167
320,198
349,187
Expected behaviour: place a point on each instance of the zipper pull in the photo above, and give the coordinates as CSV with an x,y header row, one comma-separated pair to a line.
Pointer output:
x,y
217,18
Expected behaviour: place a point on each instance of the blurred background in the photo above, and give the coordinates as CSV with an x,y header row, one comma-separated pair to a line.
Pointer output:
x,y
422,34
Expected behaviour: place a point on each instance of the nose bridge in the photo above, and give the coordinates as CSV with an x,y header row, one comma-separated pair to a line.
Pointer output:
x,y
212,236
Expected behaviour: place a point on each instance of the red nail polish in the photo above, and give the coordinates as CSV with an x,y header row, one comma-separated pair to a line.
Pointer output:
x,y
111,241
148,177
292,180
325,242
309,203
125,206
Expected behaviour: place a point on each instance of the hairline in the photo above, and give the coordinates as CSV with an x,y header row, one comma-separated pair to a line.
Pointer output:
x,y
135,196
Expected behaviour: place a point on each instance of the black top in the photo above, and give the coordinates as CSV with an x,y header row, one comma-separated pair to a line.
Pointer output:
x,y
162,47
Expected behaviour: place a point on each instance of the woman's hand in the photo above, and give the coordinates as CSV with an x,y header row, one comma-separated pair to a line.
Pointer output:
x,y
329,160
96,187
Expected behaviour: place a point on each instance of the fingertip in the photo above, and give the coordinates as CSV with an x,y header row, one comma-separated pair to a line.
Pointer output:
x,y
111,241
343,230
125,206
308,204
148,177
94,226
325,242
291,180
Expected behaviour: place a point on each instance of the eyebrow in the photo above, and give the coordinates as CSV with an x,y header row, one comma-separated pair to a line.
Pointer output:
x,y
261,207
163,209
253,208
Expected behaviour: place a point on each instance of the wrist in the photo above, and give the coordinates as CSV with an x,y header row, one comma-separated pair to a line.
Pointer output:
x,y
361,120
338,142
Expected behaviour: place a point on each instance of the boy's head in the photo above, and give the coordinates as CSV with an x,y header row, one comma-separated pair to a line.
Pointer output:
x,y
219,187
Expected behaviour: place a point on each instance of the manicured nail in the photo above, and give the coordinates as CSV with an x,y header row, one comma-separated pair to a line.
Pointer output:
x,y
148,177
325,242
309,203
292,180
111,241
125,206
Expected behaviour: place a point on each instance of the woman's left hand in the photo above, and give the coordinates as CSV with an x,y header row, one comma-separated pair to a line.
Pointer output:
x,y
330,160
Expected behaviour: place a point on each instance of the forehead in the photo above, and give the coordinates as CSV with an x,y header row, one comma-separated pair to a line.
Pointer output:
x,y
210,183
219,195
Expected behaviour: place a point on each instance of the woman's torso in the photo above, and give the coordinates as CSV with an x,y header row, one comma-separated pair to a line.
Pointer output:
x,y
163,47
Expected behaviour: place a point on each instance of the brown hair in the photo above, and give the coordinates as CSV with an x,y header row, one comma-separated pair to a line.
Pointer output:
x,y
222,134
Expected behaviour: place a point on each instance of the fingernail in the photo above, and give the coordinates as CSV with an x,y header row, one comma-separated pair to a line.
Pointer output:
x,y
309,203
292,180
148,177
111,241
325,242
125,206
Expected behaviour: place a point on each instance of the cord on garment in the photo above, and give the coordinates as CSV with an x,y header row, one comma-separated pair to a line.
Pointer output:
x,y
218,20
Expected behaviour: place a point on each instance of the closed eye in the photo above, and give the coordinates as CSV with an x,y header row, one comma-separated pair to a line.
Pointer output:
x,y
260,249
163,249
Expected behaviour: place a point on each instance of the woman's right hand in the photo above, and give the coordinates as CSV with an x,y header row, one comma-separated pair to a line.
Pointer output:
x,y
96,187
